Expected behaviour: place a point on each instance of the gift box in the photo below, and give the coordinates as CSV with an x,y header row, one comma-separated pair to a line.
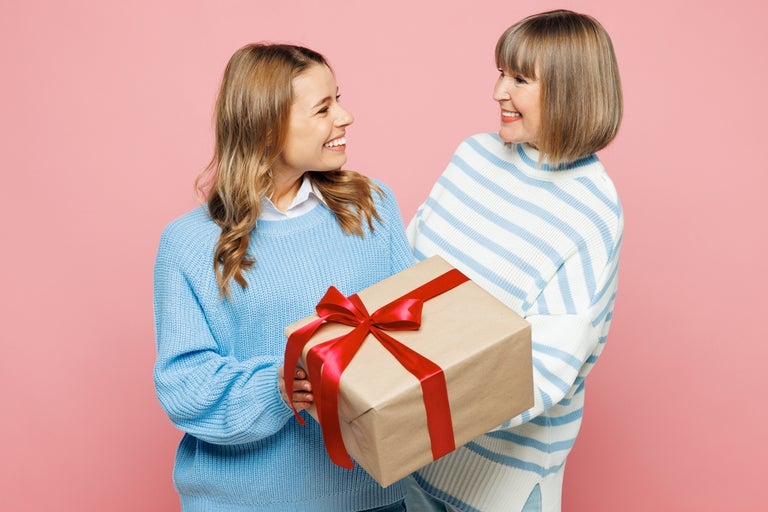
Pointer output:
x,y
472,356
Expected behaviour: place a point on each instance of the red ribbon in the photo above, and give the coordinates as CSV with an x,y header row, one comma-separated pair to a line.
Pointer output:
x,y
326,361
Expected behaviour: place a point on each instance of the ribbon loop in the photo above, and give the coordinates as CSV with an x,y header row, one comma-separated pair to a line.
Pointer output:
x,y
335,307
399,315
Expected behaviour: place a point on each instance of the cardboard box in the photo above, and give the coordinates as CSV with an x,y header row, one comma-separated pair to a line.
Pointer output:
x,y
483,347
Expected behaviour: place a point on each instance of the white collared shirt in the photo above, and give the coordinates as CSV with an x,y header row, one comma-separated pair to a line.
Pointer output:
x,y
306,199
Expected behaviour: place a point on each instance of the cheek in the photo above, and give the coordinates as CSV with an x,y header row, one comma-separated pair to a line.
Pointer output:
x,y
535,114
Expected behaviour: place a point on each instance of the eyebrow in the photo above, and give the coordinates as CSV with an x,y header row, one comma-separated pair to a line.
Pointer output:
x,y
322,102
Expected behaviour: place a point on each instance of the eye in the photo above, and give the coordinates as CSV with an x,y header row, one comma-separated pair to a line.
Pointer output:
x,y
327,106
520,79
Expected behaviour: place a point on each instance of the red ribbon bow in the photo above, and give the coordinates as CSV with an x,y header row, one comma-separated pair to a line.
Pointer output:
x,y
326,361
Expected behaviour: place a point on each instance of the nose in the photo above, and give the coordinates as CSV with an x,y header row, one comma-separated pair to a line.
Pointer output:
x,y
344,117
500,92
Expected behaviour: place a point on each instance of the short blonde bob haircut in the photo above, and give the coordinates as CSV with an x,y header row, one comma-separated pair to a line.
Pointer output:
x,y
251,125
572,57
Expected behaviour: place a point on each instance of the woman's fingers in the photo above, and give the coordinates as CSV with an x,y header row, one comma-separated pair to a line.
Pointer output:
x,y
302,397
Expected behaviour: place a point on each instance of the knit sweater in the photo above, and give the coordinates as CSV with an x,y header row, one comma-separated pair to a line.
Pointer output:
x,y
217,361
546,243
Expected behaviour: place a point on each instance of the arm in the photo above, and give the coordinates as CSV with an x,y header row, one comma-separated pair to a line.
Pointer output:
x,y
568,334
205,391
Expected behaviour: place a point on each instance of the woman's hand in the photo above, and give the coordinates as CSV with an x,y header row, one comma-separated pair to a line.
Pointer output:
x,y
302,389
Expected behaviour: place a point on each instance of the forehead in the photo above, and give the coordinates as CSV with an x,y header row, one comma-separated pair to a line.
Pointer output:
x,y
315,84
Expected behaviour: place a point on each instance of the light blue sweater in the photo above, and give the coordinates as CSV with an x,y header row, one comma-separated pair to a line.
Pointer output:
x,y
546,243
217,361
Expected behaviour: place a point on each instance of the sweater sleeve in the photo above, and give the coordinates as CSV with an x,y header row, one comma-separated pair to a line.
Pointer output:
x,y
568,330
204,391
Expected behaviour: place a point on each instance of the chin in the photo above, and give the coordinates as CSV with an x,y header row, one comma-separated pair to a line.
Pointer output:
x,y
506,140
331,166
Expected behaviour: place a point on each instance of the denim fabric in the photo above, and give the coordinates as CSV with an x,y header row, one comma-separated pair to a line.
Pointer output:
x,y
395,507
533,504
419,501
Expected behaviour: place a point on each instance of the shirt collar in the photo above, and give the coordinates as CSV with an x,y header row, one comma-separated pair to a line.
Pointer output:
x,y
306,199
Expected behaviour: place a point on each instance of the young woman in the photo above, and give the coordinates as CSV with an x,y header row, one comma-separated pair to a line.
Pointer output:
x,y
530,214
282,223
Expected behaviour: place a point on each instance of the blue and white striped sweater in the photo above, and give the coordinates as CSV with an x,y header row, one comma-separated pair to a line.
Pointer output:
x,y
546,243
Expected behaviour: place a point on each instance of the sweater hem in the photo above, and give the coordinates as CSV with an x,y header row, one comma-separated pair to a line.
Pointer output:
x,y
334,503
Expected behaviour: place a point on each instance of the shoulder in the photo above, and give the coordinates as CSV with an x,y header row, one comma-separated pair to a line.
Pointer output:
x,y
192,223
597,201
382,185
193,232
386,205
483,149
600,188
386,197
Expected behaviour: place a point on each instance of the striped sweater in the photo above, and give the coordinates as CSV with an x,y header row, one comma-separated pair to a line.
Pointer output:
x,y
546,243
217,360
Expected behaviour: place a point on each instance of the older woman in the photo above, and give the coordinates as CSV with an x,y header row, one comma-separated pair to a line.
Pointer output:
x,y
530,214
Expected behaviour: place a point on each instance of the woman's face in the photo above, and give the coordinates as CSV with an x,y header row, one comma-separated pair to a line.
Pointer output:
x,y
520,100
315,139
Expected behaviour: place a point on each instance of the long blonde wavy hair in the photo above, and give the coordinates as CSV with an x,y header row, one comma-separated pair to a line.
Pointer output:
x,y
251,123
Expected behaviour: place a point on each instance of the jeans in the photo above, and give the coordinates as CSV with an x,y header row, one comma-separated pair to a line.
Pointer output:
x,y
395,507
419,501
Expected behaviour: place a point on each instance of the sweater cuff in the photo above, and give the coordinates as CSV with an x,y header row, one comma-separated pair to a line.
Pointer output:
x,y
266,386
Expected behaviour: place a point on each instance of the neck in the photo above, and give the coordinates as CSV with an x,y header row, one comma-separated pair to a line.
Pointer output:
x,y
285,191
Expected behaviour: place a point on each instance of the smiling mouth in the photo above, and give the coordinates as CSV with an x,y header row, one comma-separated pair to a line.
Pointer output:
x,y
508,117
336,143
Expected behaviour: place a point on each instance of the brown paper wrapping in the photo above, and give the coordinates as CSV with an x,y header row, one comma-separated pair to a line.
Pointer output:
x,y
483,347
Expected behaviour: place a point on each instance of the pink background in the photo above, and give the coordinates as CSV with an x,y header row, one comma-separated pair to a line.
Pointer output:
x,y
105,112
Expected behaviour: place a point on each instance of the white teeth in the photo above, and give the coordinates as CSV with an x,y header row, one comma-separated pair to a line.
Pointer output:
x,y
336,142
510,114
